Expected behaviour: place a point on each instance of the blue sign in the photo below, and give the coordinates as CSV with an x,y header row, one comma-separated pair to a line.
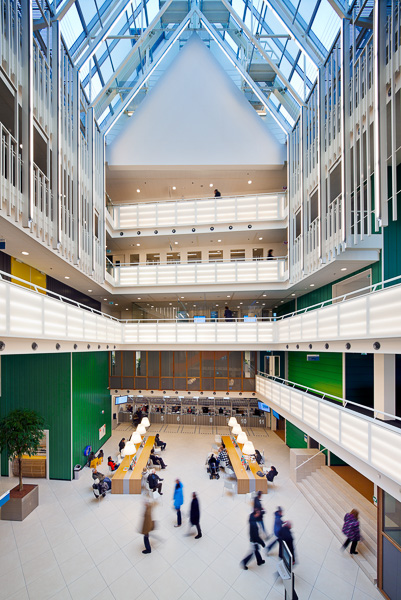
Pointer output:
x,y
275,414
199,319
249,319
263,406
4,498
214,314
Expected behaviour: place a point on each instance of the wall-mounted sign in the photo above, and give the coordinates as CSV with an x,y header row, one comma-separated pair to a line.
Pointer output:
x,y
102,431
312,357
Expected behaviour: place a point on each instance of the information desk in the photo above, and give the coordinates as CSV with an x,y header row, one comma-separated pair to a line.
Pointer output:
x,y
247,481
124,480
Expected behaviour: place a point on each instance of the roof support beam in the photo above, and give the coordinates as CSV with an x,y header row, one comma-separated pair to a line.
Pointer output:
x,y
267,58
103,33
339,8
131,54
287,20
137,87
256,90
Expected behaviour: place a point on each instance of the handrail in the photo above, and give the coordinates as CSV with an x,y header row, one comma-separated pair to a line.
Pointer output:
x,y
194,199
310,458
326,396
200,262
40,290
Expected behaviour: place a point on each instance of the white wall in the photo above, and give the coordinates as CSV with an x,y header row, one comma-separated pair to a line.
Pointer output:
x,y
195,115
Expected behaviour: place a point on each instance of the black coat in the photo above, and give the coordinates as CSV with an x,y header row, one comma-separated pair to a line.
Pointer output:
x,y
254,530
153,480
194,514
285,535
257,504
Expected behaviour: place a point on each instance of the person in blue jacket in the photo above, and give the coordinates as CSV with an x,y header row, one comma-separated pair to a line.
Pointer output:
x,y
178,500
278,523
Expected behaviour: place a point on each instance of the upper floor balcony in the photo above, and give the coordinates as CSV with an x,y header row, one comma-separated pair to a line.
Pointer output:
x,y
262,271
357,434
262,211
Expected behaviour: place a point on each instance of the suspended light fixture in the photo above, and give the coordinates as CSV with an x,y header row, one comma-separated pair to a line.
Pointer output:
x,y
232,421
242,438
129,449
236,429
248,449
136,438
141,429
145,422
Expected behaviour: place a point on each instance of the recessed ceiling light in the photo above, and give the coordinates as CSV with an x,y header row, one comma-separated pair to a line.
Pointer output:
x,y
343,269
210,184
138,190
127,309
228,296
105,299
250,181
116,304
175,243
25,253
194,305
139,298
66,277
89,290
182,297
264,295
257,302
174,188
312,285
282,301
260,238
263,304
219,240
241,303
138,244
170,303
216,304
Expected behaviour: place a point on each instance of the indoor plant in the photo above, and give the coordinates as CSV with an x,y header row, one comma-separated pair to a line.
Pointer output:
x,y
21,432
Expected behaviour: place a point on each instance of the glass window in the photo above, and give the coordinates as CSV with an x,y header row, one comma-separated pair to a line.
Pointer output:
x,y
237,254
193,383
167,383
194,257
207,384
257,253
221,364
140,363
128,363
116,363
215,255
173,257
248,364
134,259
180,364
207,364
193,364
234,364
221,384
180,383
152,259
392,517
167,365
153,364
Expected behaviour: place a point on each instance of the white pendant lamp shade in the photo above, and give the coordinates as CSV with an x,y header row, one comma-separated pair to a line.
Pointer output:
x,y
248,449
136,438
141,429
145,422
237,429
232,422
242,438
129,449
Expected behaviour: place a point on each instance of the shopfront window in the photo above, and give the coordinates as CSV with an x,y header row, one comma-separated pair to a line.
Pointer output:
x,y
392,518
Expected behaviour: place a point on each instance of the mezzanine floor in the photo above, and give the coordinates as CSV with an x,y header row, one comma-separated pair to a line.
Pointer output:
x,y
74,546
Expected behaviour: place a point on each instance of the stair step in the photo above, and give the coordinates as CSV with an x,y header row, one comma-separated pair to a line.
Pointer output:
x,y
321,491
363,502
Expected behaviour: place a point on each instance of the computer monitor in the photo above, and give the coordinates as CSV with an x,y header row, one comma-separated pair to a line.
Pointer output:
x,y
121,399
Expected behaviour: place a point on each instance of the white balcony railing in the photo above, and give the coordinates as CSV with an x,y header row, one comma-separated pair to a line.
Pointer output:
x,y
203,211
368,438
11,199
39,314
42,204
203,273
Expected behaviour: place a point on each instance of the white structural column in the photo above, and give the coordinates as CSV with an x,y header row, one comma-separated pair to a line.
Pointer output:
x,y
384,384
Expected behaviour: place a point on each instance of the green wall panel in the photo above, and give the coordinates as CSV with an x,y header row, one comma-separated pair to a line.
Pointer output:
x,y
294,437
91,402
392,236
41,382
324,375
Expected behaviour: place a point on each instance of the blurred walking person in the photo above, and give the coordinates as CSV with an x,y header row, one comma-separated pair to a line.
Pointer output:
x,y
255,539
351,530
178,500
147,527
194,515
278,522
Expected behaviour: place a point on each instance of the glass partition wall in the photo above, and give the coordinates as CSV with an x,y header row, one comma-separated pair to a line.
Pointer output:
x,y
183,371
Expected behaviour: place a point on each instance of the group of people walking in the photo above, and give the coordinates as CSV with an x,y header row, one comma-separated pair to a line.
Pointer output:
x,y
148,524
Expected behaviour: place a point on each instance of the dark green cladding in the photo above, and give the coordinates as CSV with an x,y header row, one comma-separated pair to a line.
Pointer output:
x,y
324,375
294,437
90,396
392,236
41,382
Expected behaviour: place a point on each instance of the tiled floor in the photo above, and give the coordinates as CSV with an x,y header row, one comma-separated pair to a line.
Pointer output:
x,y
74,546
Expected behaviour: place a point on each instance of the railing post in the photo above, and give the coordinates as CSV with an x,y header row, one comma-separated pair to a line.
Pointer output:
x,y
27,112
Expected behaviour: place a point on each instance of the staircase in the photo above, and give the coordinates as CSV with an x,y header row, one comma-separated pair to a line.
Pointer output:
x,y
332,497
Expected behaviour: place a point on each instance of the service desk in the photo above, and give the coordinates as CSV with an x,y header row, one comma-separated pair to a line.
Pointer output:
x,y
247,481
124,480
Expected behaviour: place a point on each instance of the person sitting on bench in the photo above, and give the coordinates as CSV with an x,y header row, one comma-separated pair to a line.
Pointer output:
x,y
158,442
271,474
153,481
157,460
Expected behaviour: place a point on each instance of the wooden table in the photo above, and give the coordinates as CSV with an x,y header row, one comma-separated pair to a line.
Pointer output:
x,y
129,482
245,479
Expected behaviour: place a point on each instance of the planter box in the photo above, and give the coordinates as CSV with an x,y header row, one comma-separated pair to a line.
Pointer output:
x,y
21,504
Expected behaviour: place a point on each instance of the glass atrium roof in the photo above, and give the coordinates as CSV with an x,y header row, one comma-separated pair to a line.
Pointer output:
x,y
276,46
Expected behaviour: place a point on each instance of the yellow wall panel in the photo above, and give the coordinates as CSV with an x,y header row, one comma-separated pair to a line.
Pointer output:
x,y
20,269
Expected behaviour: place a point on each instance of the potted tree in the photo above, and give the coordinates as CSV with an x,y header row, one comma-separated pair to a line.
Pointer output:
x,y
21,432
